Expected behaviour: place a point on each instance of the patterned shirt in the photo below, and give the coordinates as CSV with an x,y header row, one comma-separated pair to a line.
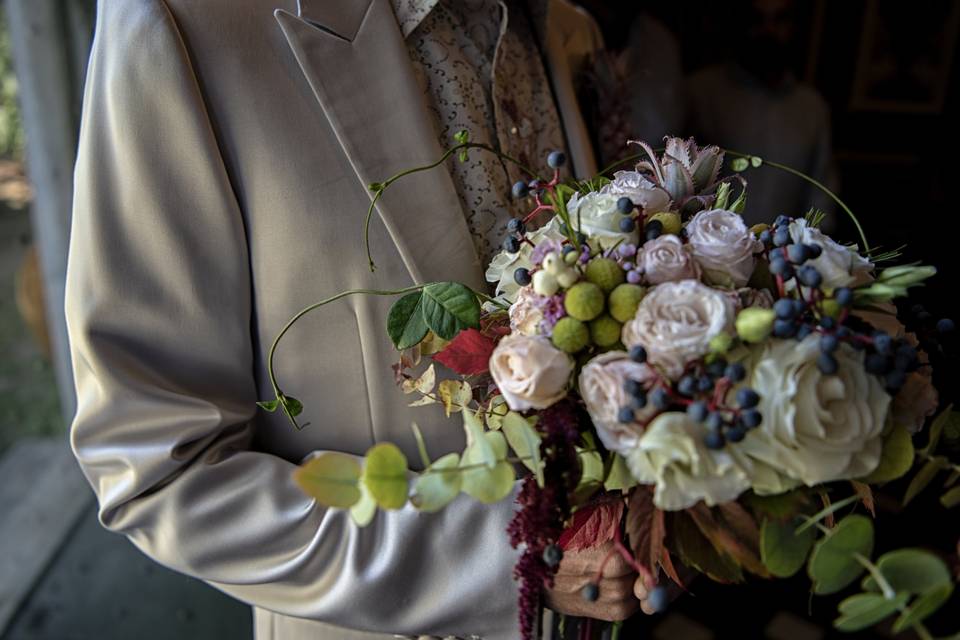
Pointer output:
x,y
481,70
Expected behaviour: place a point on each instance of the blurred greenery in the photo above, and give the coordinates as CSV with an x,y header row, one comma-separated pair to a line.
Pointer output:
x,y
11,134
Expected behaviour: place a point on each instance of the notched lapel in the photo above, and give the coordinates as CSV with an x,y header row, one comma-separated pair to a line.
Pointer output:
x,y
342,19
359,69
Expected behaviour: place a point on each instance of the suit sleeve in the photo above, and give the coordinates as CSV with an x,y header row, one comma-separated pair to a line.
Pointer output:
x,y
158,306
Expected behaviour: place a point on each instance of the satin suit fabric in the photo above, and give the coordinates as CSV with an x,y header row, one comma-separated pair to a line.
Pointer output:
x,y
220,187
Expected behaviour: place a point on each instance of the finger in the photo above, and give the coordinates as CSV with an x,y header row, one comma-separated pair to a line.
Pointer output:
x,y
617,567
642,587
617,589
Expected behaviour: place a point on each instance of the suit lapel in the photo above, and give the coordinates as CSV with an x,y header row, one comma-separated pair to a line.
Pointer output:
x,y
353,56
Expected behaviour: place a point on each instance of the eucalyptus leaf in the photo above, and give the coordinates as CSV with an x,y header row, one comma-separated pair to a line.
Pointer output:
x,y
867,609
783,550
438,485
833,565
448,308
911,570
405,323
362,512
739,164
923,478
385,474
269,405
936,428
484,483
525,442
923,607
479,448
951,498
896,457
331,479
619,476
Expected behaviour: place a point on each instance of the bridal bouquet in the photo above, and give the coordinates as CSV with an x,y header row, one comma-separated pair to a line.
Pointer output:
x,y
675,383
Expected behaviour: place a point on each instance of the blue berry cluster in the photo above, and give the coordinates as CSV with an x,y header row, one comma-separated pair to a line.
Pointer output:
x,y
695,390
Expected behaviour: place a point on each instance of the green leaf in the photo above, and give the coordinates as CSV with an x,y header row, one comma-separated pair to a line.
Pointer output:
x,y
591,475
911,570
896,457
331,479
462,136
619,476
826,511
951,498
363,512
438,485
756,161
866,609
723,196
739,164
782,550
291,405
924,477
448,308
833,564
269,405
385,474
376,186
740,204
923,607
783,506
481,482
405,323
936,428
525,442
482,450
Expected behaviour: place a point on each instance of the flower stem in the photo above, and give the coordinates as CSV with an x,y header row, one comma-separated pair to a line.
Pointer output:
x,y
305,311
379,188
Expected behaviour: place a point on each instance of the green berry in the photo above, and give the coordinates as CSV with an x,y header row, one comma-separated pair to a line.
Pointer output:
x,y
670,221
605,331
570,335
584,301
624,301
605,273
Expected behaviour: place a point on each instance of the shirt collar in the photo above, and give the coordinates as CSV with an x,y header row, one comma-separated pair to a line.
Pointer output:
x,y
410,13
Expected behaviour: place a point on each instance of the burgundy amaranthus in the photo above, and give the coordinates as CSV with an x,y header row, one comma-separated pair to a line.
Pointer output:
x,y
544,510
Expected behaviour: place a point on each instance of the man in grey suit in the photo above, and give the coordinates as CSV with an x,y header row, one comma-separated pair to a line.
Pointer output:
x,y
220,187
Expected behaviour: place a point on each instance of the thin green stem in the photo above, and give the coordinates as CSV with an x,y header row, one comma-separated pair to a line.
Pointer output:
x,y
814,182
305,311
823,513
888,591
379,188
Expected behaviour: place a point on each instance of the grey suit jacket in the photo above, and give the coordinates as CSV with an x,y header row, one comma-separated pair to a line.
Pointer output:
x,y
220,188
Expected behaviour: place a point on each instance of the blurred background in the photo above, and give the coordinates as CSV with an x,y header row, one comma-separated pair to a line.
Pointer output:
x,y
859,94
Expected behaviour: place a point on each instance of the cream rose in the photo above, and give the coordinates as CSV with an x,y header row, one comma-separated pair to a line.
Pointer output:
x,y
676,321
503,265
599,218
816,428
667,259
646,195
672,455
839,266
602,389
525,313
724,247
530,372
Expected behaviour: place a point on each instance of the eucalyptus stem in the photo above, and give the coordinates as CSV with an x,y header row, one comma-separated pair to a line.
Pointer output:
x,y
343,294
379,187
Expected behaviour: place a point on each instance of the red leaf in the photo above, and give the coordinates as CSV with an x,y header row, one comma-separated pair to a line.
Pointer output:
x,y
592,526
644,530
467,354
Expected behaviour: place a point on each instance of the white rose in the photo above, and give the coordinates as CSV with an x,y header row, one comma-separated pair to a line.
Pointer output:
x,y
599,218
530,372
602,389
525,313
839,265
816,428
672,455
643,193
724,247
667,259
676,321
503,265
